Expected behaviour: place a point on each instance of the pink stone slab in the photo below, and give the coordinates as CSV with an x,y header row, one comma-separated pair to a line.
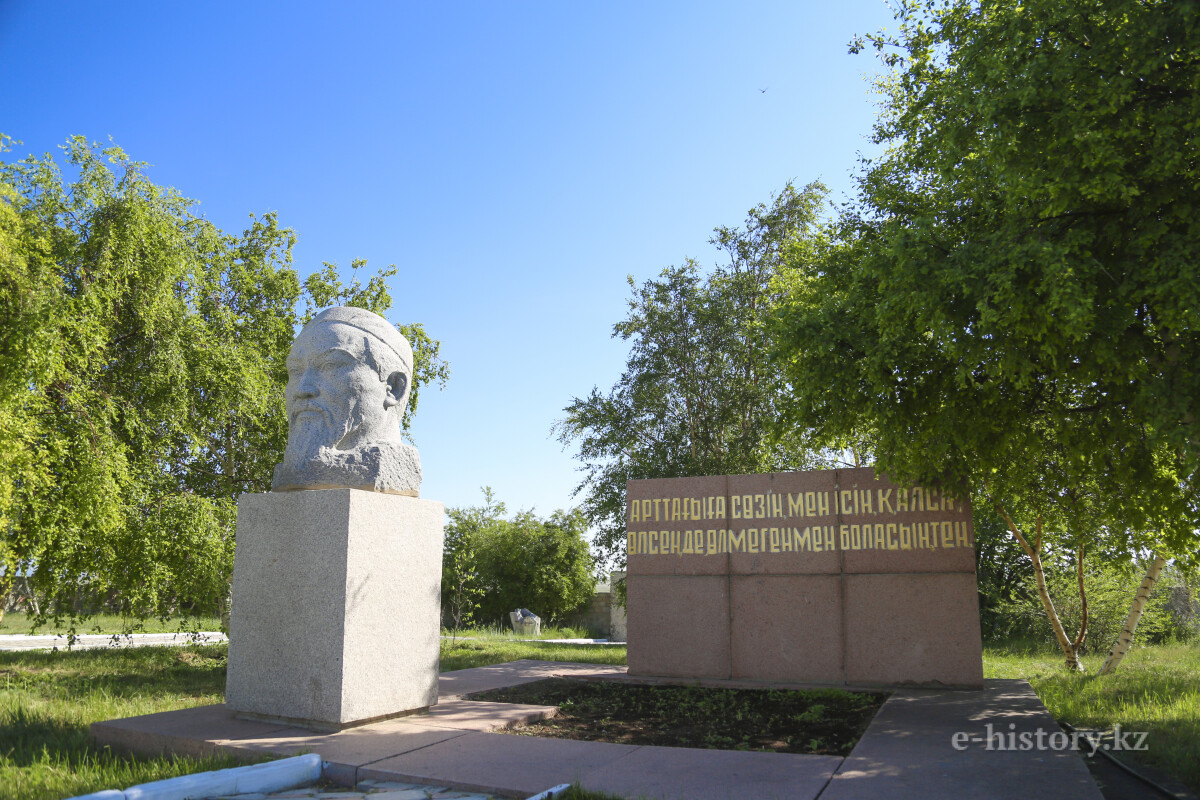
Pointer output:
x,y
677,773
500,763
681,626
461,682
918,629
474,715
787,628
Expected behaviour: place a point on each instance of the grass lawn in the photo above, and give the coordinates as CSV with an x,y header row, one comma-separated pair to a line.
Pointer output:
x,y
1156,689
48,699
17,622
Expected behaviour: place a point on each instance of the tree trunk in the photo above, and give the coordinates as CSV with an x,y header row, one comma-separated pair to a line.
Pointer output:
x,y
1083,612
1034,553
1135,614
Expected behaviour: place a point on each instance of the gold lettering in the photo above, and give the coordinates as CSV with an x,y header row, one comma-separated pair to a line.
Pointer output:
x,y
947,502
931,500
787,540
711,542
864,502
689,543
803,540
641,548
947,534
774,540
675,509
634,507
631,545
878,536
653,543
845,532
760,503
918,499
695,508
901,500
846,499
823,503
960,535
737,540
795,505
776,505
720,508
919,535
830,544
818,540
735,506
885,500
906,542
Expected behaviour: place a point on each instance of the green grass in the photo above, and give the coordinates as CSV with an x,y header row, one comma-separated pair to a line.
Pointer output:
x,y
499,633
465,653
18,622
1156,689
48,699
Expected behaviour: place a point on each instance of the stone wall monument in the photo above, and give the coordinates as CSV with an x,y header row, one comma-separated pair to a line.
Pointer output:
x,y
337,572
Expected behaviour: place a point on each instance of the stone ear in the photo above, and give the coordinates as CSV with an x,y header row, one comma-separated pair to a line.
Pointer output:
x,y
397,384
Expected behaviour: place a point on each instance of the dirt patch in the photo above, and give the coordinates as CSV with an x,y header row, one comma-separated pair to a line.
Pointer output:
x,y
822,721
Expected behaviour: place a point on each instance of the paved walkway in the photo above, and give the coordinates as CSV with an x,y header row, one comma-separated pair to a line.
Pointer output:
x,y
909,751
92,641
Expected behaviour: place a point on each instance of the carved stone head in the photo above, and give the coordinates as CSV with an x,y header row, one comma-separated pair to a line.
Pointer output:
x,y
349,374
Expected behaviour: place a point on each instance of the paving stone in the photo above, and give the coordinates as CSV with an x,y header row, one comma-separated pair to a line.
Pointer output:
x,y
399,794
378,784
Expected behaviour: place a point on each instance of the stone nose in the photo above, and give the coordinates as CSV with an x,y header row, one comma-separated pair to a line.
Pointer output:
x,y
306,386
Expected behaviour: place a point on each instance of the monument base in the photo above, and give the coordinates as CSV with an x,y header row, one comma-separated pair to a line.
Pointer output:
x,y
336,607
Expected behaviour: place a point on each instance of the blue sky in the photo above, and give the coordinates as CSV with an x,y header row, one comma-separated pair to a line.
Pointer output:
x,y
515,160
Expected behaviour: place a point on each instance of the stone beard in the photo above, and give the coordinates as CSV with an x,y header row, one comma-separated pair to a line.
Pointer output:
x,y
349,375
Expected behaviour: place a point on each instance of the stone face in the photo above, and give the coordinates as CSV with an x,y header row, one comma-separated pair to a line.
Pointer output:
x,y
337,606
349,376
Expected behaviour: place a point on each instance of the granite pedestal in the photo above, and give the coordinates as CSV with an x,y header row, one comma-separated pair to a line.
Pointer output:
x,y
336,607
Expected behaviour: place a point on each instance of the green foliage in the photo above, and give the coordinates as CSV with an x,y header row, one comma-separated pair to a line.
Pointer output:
x,y
141,383
524,562
461,581
697,393
1011,308
1109,589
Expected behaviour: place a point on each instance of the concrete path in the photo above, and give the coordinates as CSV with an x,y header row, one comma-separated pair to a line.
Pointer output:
x,y
92,641
910,750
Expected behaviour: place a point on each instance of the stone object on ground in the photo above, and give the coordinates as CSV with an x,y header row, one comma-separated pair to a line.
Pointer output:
x,y
349,379
337,615
525,622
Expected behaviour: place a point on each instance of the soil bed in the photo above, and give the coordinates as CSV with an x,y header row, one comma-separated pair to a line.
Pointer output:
x,y
822,721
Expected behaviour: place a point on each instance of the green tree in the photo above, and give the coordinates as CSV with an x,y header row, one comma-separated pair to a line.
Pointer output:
x,y
1010,311
697,393
461,581
141,383
543,564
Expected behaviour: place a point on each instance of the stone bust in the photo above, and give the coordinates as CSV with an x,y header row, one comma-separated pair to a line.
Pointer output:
x,y
349,374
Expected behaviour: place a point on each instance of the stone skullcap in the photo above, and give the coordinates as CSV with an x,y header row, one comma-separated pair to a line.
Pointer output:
x,y
372,323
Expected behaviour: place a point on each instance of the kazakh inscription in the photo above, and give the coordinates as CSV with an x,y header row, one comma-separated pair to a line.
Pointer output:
x,y
889,518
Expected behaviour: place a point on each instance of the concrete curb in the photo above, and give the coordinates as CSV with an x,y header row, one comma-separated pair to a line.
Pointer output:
x,y
274,776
